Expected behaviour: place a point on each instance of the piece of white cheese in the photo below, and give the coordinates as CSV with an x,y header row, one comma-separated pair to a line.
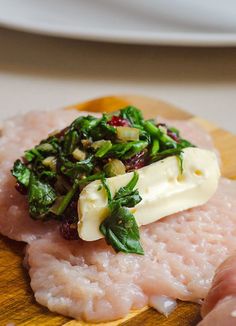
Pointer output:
x,y
164,190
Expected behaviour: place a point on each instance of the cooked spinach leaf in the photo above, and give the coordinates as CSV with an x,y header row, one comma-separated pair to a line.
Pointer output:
x,y
21,173
155,146
120,228
180,160
133,115
183,143
108,191
106,146
41,196
84,125
127,195
70,194
74,169
166,153
127,149
103,130
136,147
118,150
32,154
46,147
70,141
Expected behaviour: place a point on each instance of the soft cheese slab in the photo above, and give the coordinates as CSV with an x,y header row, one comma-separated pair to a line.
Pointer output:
x,y
162,186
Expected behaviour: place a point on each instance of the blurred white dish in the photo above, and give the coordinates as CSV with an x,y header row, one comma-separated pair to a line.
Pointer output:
x,y
170,22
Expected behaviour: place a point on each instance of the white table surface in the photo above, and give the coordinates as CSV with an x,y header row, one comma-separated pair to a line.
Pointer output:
x,y
39,72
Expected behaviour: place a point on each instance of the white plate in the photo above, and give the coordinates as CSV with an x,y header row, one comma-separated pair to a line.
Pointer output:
x,y
171,22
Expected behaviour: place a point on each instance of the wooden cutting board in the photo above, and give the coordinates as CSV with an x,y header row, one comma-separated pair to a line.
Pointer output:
x,y
17,303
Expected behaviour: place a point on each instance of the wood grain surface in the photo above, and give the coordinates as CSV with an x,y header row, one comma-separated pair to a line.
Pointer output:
x,y
17,303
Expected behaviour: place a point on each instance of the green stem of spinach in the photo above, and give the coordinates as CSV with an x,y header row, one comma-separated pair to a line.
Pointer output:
x,y
66,200
105,185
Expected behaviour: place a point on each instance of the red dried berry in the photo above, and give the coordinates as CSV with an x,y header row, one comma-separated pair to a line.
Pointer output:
x,y
136,162
118,122
61,133
21,189
69,231
172,135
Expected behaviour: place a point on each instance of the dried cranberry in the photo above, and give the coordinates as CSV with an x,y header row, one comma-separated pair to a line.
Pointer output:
x,y
69,230
61,133
24,160
20,188
118,122
137,161
172,135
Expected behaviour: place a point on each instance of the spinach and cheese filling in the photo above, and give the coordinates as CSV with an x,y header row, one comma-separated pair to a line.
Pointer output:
x,y
53,173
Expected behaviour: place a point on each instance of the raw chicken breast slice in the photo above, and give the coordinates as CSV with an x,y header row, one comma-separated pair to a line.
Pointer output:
x,y
223,284
223,314
219,306
23,132
83,280
89,280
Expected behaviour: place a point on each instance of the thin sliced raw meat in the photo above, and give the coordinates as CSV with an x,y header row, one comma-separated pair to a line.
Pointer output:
x,y
224,314
88,280
220,303
223,285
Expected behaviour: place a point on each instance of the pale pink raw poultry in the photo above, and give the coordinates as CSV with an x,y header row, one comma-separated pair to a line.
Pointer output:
x,y
89,280
182,251
219,307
